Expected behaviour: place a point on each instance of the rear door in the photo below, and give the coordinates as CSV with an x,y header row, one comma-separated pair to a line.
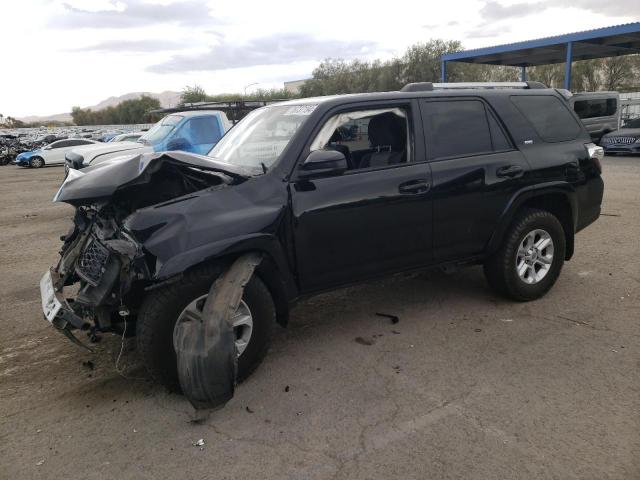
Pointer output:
x,y
369,220
475,171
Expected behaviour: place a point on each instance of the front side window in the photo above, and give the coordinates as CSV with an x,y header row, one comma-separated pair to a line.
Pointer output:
x,y
259,139
368,138
460,128
631,123
58,144
549,117
160,130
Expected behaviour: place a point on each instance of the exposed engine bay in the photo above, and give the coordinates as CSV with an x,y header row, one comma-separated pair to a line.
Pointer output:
x,y
105,263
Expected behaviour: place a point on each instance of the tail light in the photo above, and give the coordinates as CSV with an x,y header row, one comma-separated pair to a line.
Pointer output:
x,y
596,154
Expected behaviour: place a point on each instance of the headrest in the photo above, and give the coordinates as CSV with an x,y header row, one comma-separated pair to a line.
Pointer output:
x,y
387,129
336,137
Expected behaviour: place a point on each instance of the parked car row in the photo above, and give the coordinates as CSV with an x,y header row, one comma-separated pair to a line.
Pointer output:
x,y
14,142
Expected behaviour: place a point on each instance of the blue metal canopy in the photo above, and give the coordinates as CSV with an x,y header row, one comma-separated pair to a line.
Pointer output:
x,y
599,43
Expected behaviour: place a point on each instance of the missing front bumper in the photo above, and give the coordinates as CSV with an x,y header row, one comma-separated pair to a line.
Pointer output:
x,y
56,308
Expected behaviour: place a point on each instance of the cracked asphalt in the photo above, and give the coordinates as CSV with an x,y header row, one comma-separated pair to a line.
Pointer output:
x,y
465,386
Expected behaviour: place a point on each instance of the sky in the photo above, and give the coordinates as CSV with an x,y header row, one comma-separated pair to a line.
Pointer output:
x,y
60,53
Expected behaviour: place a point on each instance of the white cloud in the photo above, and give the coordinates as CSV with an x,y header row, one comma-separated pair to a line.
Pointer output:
x,y
77,52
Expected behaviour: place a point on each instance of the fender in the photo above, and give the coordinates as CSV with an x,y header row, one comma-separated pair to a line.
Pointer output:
x,y
527,194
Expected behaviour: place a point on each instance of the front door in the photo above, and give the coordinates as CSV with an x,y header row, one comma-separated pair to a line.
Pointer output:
x,y
376,217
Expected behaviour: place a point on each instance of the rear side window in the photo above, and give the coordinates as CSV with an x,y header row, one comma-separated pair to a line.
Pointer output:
x,y
458,128
75,143
204,130
549,117
604,107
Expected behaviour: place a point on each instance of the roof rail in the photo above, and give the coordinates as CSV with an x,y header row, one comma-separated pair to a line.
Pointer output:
x,y
417,87
466,85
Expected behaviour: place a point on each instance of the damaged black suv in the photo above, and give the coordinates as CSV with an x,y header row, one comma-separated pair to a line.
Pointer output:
x,y
309,195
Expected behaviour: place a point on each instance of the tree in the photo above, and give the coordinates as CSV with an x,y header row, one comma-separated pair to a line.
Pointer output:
x,y
193,94
550,75
128,112
617,72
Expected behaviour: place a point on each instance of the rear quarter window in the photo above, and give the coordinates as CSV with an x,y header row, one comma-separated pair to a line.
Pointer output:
x,y
549,116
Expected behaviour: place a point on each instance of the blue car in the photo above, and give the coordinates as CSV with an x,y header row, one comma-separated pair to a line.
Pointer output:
x,y
192,131
23,159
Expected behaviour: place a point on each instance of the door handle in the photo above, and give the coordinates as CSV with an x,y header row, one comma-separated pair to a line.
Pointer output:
x,y
510,171
414,187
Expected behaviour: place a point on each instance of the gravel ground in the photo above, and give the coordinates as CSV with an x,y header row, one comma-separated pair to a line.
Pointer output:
x,y
466,385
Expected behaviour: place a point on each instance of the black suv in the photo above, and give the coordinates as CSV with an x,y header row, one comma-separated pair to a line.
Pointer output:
x,y
312,194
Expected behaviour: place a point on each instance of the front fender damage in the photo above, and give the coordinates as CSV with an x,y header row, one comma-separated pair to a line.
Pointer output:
x,y
205,348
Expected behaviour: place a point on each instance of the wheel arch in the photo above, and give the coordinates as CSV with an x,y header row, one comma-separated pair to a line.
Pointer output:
x,y
273,270
558,199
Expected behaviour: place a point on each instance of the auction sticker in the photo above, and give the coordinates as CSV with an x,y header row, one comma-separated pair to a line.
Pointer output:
x,y
301,110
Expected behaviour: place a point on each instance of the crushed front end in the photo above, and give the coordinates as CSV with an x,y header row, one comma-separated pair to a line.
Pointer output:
x,y
104,269
101,268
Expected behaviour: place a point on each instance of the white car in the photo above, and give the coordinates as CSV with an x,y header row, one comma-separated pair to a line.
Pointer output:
x,y
126,137
52,154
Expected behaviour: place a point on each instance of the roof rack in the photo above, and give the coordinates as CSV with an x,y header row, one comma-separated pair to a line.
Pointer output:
x,y
235,109
429,86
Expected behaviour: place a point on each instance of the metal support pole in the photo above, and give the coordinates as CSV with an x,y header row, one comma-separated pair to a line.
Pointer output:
x,y
443,71
567,67
523,73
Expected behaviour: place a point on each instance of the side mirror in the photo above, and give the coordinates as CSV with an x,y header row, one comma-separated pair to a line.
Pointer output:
x,y
323,162
179,143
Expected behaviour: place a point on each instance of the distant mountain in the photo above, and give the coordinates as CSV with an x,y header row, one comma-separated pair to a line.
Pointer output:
x,y
167,99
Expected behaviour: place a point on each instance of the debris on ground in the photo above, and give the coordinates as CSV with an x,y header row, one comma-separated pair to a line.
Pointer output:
x,y
363,341
199,443
88,364
395,332
286,389
40,463
394,318
248,409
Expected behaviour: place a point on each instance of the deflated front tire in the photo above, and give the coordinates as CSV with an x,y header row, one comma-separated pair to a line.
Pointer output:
x,y
162,308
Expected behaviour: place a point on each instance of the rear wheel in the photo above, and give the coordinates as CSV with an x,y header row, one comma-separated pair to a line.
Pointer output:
x,y
253,324
531,257
36,162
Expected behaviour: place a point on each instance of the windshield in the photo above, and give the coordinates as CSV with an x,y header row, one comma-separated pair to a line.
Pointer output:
x,y
160,130
259,139
631,123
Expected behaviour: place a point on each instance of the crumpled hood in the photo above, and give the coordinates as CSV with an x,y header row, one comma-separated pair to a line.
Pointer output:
x,y
624,132
102,180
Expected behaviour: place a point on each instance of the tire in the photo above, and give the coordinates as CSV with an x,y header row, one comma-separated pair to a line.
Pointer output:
x,y
501,269
162,307
36,162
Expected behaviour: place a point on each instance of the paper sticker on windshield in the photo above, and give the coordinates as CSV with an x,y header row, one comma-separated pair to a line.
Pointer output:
x,y
301,110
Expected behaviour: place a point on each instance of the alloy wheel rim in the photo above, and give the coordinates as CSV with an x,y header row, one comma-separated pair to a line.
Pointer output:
x,y
242,321
535,256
